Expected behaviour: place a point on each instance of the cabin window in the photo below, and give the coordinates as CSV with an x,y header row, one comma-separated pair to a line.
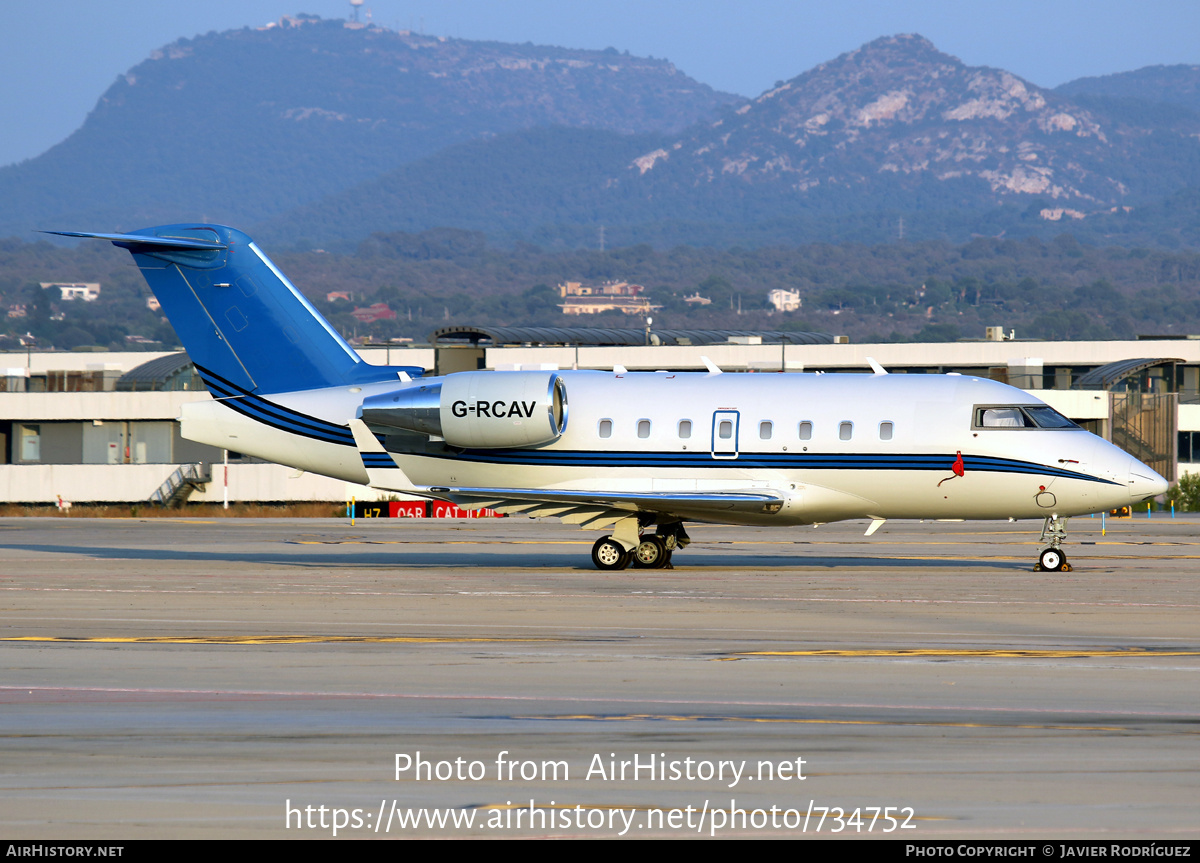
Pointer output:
x,y
806,430
643,428
605,428
764,430
885,431
845,430
725,429
685,429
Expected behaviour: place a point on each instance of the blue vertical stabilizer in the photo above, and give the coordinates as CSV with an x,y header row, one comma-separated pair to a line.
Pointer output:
x,y
244,325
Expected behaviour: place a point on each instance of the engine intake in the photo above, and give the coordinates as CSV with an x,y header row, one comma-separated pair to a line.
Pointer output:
x,y
478,409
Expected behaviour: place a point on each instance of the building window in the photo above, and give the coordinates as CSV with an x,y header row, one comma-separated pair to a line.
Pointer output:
x,y
31,443
605,428
845,430
764,430
643,428
806,430
885,431
685,429
1189,446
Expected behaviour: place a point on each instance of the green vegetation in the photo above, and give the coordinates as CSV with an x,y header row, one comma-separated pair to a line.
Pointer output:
x,y
931,291
1185,493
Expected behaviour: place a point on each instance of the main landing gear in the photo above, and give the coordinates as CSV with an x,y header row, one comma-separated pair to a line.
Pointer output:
x,y
648,551
1053,558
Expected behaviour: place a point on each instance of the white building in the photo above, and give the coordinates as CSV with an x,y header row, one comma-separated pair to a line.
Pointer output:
x,y
784,301
86,291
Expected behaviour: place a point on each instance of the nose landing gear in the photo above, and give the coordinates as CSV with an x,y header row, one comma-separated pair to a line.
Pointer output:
x,y
1053,558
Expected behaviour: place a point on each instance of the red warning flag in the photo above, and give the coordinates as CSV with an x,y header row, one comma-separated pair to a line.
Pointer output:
x,y
957,467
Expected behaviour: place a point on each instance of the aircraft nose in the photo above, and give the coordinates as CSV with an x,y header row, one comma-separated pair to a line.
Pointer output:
x,y
1144,482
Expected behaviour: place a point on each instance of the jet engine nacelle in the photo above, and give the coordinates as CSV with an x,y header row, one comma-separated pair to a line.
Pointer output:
x,y
478,409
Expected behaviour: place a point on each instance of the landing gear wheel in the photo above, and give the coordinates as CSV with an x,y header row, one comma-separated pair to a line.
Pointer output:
x,y
607,553
651,553
1053,560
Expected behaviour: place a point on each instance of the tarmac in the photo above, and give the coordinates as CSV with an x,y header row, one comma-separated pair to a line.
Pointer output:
x,y
249,678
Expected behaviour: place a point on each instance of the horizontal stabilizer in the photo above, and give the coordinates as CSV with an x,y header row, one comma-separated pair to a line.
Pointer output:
x,y
131,240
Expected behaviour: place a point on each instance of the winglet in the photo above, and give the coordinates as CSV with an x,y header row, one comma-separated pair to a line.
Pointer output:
x,y
876,523
876,367
713,368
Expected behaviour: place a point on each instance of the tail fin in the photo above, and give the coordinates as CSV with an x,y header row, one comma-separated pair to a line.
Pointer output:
x,y
244,325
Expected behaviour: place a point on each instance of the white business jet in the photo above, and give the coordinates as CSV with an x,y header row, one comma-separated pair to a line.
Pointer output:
x,y
637,454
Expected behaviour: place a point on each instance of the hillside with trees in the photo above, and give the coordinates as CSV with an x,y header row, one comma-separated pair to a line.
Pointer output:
x,y
925,291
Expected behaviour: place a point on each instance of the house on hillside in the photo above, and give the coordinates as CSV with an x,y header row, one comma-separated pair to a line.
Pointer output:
x,y
86,291
581,299
784,301
374,312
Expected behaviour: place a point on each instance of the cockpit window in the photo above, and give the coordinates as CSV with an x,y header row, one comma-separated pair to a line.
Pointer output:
x,y
1020,417
1049,418
1002,418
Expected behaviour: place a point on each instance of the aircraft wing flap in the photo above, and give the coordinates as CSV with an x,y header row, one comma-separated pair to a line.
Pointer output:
x,y
595,503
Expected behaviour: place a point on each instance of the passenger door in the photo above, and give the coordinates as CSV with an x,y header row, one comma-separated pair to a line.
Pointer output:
x,y
725,434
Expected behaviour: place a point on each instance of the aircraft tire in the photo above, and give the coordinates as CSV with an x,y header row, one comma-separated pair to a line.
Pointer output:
x,y
651,553
1052,560
608,554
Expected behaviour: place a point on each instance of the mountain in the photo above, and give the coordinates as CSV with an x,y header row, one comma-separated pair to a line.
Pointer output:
x,y
242,125
324,132
893,131
898,116
1171,85
510,183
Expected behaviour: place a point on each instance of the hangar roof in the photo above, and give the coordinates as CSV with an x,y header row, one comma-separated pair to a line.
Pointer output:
x,y
1105,377
612,337
171,372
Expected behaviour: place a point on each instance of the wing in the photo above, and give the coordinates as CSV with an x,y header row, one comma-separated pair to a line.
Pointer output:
x,y
592,508
588,508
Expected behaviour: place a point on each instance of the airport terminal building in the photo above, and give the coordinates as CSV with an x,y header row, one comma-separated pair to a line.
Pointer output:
x,y
103,427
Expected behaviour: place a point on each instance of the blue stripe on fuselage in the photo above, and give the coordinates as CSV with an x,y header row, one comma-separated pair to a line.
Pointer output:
x,y
776,461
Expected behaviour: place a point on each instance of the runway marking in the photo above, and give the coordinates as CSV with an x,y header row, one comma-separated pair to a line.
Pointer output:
x,y
436,542
11,693
1004,653
284,639
309,590
668,717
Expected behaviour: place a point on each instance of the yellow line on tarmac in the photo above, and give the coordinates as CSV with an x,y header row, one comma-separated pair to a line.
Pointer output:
x,y
436,542
276,639
1006,653
662,717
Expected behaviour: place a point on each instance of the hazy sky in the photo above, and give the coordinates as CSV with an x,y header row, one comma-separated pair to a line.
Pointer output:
x,y
58,56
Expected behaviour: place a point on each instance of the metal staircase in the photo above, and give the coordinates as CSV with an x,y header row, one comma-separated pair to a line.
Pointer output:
x,y
1144,425
179,486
